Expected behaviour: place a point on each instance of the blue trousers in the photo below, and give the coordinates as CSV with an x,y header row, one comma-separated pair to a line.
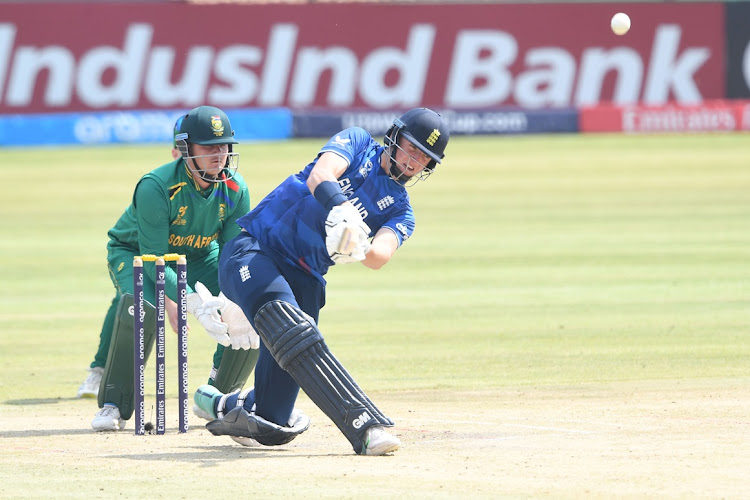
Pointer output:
x,y
251,276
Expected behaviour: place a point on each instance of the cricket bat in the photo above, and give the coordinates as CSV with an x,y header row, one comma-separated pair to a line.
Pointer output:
x,y
347,244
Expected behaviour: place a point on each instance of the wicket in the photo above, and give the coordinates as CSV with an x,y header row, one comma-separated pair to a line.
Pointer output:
x,y
139,342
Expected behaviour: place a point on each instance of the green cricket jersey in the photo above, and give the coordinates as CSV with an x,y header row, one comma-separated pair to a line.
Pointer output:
x,y
171,214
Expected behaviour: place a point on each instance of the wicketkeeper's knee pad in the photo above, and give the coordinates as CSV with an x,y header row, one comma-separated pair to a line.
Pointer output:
x,y
235,368
118,383
298,347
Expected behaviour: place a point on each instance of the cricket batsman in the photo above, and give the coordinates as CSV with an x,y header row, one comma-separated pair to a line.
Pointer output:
x,y
350,204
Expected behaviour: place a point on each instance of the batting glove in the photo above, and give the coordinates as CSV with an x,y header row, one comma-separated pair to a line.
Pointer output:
x,y
347,235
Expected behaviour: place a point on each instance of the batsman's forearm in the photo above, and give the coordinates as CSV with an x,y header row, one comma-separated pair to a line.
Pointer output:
x,y
382,248
329,167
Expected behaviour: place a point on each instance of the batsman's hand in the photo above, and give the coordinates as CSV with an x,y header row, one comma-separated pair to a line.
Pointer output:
x,y
205,307
347,235
242,335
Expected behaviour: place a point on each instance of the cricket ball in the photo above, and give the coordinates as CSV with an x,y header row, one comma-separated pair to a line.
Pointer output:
x,y
620,23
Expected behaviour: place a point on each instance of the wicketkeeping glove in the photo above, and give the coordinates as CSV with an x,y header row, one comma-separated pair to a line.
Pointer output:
x,y
347,235
242,335
204,306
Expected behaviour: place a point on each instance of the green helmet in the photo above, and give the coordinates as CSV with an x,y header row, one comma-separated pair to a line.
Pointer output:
x,y
206,126
176,130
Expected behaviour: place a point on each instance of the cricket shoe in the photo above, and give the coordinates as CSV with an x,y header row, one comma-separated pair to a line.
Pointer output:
x,y
245,441
90,387
379,442
210,401
200,413
205,399
108,419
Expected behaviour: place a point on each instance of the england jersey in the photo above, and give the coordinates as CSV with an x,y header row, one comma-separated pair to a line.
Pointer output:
x,y
291,222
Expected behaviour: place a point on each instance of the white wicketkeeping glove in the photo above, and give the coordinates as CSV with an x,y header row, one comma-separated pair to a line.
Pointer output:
x,y
205,307
242,335
347,235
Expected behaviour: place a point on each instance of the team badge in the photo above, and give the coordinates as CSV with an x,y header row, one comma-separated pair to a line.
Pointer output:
x,y
180,219
245,273
402,229
217,126
432,139
342,143
385,202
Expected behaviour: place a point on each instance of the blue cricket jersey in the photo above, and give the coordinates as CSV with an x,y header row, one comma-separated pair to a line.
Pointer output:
x,y
292,222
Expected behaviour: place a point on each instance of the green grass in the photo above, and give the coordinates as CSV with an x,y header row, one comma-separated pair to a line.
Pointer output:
x,y
570,320
563,260
538,260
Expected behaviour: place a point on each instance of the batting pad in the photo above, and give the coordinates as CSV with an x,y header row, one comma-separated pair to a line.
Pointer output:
x,y
118,382
298,347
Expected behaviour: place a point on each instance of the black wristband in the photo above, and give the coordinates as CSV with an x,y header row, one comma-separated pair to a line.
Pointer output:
x,y
329,194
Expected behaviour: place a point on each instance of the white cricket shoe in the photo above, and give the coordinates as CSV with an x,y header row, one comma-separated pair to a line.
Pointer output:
x,y
108,419
245,441
201,413
379,442
90,387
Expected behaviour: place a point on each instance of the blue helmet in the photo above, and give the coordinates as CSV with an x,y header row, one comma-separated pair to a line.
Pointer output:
x,y
427,131
424,128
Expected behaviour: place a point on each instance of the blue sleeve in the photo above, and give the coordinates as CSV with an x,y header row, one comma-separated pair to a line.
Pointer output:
x,y
348,143
402,225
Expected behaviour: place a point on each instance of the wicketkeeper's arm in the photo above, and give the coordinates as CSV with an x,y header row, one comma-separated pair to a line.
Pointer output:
x,y
172,313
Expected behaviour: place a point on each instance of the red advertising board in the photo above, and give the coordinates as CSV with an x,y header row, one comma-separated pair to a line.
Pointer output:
x,y
119,56
709,116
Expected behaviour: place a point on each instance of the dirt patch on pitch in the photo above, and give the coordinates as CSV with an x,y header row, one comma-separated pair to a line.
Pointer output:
x,y
666,439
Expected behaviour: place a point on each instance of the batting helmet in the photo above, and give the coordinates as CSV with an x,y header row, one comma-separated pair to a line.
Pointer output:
x,y
425,129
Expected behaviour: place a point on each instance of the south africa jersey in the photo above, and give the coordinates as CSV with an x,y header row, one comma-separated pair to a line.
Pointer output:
x,y
292,222
171,214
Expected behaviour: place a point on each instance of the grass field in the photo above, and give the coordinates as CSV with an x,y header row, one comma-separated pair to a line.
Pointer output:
x,y
570,320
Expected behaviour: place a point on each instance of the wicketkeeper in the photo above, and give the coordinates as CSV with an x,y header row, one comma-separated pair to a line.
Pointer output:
x,y
189,206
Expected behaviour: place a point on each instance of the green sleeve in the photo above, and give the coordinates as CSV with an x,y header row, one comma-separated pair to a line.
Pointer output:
x,y
152,217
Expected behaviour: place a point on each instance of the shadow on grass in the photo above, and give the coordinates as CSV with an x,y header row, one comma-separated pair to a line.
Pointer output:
x,y
216,455
38,401
28,433
190,453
